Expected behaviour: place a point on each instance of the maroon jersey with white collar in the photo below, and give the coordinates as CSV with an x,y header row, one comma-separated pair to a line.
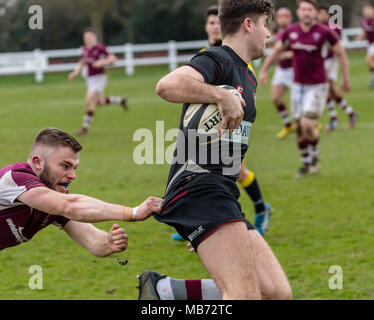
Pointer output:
x,y
18,222
308,51
89,56
368,26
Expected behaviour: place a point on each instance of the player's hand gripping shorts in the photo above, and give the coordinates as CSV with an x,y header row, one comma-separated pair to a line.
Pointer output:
x,y
201,206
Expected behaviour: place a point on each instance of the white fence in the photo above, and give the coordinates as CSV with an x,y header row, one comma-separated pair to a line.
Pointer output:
x,y
170,53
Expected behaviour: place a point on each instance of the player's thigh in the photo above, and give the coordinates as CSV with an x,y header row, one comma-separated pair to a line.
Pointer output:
x,y
92,99
227,255
271,277
297,101
277,92
315,99
102,99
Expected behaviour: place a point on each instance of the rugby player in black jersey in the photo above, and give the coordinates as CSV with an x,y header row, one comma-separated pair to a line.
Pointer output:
x,y
201,199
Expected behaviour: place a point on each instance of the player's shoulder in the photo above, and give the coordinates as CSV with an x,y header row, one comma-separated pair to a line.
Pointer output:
x,y
101,47
22,167
19,174
221,52
322,27
292,27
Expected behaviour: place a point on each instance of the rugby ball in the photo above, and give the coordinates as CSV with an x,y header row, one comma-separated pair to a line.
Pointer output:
x,y
205,119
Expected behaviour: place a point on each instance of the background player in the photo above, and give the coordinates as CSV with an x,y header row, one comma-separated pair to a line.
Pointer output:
x,y
309,93
201,199
247,178
332,70
368,34
96,57
283,76
34,195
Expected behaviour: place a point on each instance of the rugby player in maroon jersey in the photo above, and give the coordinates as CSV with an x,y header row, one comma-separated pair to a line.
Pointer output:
x,y
332,70
34,194
307,39
95,57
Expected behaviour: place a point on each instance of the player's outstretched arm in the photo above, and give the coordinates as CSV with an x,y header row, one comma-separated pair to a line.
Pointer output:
x,y
339,50
77,70
187,85
86,209
272,58
361,36
98,242
111,59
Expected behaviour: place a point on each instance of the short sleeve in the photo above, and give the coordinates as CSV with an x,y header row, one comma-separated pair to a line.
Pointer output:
x,y
212,67
104,50
332,37
27,179
15,183
60,222
285,38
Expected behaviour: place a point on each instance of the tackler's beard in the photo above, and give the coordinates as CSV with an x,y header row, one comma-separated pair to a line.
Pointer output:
x,y
45,176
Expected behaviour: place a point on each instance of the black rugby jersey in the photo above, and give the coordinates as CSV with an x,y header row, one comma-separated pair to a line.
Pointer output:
x,y
223,157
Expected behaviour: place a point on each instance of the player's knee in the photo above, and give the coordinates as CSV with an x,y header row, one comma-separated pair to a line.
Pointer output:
x,y
310,115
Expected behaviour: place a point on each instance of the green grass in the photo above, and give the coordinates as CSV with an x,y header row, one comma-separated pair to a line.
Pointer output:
x,y
317,222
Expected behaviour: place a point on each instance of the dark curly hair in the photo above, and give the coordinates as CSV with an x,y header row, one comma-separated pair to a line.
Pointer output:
x,y
233,12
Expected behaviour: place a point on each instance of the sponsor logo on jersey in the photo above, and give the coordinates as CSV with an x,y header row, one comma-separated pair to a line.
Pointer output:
x,y
302,46
240,89
316,36
17,232
294,35
240,135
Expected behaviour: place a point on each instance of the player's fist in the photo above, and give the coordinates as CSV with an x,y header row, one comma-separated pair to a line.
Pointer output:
x,y
98,64
346,86
148,207
72,75
118,239
231,109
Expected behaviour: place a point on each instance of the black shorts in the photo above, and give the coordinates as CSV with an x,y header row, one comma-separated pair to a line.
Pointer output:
x,y
204,204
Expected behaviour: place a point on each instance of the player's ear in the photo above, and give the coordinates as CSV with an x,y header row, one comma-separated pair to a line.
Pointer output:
x,y
248,25
37,162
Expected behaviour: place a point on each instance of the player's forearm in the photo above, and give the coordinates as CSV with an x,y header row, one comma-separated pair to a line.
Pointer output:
x,y
86,209
99,245
344,65
271,59
79,67
111,59
286,55
185,89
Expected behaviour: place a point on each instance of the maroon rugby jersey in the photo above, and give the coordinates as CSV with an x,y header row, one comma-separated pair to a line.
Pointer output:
x,y
286,63
18,222
308,47
89,56
368,26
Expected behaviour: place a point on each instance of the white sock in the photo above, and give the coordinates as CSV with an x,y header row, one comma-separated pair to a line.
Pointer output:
x,y
164,290
210,290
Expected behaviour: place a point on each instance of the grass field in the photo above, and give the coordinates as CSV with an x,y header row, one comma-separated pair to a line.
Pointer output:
x,y
318,222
